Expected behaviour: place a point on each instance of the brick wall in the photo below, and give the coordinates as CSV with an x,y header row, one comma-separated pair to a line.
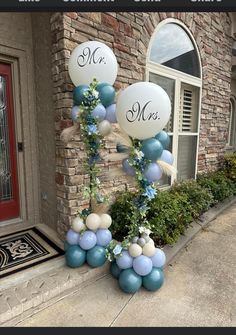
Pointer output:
x,y
128,34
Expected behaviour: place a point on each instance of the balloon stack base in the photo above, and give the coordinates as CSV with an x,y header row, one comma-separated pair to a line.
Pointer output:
x,y
134,270
87,242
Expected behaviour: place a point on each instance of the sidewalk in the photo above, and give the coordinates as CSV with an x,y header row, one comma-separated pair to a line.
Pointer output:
x,y
199,290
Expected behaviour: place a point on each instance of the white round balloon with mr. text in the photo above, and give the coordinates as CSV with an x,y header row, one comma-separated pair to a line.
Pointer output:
x,y
143,110
92,60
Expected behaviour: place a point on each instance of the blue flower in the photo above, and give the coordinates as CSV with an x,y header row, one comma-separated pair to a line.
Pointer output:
x,y
117,250
150,192
92,129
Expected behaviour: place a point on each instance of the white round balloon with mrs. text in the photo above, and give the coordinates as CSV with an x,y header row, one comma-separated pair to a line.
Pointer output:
x,y
92,60
143,110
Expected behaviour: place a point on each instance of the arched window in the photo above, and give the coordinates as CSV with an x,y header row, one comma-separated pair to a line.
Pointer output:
x,y
232,125
173,63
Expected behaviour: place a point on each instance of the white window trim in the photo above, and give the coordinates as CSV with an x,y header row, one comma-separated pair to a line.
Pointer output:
x,y
233,110
180,78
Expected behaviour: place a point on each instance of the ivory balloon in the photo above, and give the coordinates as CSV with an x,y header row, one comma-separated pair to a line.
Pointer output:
x,y
135,250
93,221
143,109
78,225
149,250
104,128
106,221
92,60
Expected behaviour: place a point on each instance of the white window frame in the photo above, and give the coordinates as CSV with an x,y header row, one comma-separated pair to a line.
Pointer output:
x,y
180,78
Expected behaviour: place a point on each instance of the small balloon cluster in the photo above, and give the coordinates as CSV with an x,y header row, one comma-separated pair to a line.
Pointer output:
x,y
139,265
87,240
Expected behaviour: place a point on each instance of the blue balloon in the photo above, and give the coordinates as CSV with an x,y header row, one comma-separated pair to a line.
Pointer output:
x,y
74,113
154,280
78,94
142,265
72,237
104,237
159,258
115,270
75,256
127,168
164,138
167,157
129,281
153,172
107,94
125,261
99,112
96,257
111,113
152,149
87,240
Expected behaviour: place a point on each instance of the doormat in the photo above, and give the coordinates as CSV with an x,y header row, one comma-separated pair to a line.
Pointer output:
x,y
24,249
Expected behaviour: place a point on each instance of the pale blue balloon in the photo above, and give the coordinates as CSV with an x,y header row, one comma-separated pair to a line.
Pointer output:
x,y
127,168
99,112
142,265
74,113
167,157
87,240
159,259
125,261
104,237
72,237
153,172
111,114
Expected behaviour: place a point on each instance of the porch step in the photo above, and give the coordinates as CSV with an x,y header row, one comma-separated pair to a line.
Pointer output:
x,y
18,302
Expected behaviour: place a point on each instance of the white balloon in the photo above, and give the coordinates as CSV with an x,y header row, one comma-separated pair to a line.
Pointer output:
x,y
106,221
92,60
78,225
149,250
143,110
135,250
93,221
104,128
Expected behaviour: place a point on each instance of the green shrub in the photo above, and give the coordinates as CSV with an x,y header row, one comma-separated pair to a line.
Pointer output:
x,y
200,199
230,166
218,184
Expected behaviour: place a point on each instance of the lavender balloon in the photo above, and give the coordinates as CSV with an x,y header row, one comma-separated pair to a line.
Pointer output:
x,y
159,259
127,168
167,157
111,113
125,261
104,237
72,237
142,265
153,172
99,112
88,240
74,113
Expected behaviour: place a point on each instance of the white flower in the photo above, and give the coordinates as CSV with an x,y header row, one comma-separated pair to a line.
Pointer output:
x,y
139,154
145,230
98,181
95,94
117,250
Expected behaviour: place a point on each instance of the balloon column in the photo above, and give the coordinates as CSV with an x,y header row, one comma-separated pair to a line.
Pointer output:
x,y
143,110
94,110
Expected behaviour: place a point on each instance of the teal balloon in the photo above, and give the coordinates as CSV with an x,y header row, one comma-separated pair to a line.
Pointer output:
x,y
164,138
154,280
66,245
96,257
107,94
78,94
75,256
152,149
115,270
130,281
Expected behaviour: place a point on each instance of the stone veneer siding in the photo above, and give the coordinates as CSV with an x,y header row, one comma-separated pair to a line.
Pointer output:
x,y
128,34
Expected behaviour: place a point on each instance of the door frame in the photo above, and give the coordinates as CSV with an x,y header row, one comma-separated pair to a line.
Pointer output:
x,y
20,57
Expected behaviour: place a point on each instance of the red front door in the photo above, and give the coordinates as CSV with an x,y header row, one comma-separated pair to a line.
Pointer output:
x,y
9,198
